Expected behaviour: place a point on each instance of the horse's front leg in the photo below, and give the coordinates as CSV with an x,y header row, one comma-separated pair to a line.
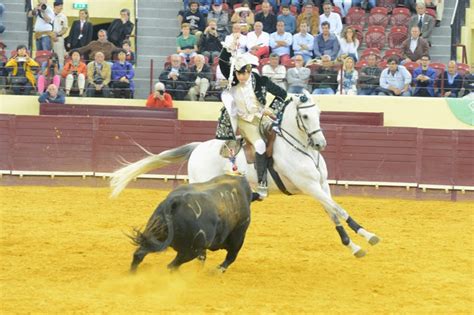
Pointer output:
x,y
370,237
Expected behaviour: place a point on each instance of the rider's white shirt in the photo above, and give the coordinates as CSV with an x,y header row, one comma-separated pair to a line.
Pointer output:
x,y
245,100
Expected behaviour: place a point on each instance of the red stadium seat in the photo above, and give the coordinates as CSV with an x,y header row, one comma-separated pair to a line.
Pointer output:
x,y
438,67
359,33
370,51
262,62
293,10
411,66
313,67
42,56
378,16
289,64
431,12
463,68
382,64
388,4
375,38
356,16
335,9
396,37
400,18
360,64
393,52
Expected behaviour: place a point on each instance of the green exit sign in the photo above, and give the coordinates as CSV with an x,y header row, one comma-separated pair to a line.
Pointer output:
x,y
79,6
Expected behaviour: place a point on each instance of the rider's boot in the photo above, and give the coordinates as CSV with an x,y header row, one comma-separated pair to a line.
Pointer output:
x,y
261,163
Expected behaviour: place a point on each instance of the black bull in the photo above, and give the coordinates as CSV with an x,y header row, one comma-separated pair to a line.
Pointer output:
x,y
193,218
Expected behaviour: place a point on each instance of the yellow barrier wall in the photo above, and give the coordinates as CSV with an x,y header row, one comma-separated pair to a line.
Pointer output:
x,y
398,112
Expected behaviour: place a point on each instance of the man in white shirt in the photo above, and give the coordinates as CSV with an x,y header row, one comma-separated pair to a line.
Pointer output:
x,y
258,41
236,38
275,71
60,27
303,43
332,18
43,25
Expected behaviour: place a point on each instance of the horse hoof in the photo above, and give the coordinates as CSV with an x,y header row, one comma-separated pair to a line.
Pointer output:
x,y
374,240
221,269
360,253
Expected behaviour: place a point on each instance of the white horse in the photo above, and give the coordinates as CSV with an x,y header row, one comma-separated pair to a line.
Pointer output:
x,y
296,155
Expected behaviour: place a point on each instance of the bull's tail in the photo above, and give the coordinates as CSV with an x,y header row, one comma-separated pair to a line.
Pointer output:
x,y
148,238
123,176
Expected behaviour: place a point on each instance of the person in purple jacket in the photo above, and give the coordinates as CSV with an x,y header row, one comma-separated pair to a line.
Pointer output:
x,y
122,77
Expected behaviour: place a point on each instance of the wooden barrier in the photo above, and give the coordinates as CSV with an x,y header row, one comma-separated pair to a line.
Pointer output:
x,y
355,153
108,110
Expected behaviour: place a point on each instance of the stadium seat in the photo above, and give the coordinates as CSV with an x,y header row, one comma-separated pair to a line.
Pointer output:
x,y
396,37
335,9
375,37
289,64
388,4
262,62
42,56
438,67
360,64
393,52
400,17
356,16
378,16
382,64
463,68
411,66
359,33
370,51
293,10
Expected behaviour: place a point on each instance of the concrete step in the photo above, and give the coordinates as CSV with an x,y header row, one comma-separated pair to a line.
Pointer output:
x,y
15,35
153,22
16,6
158,41
166,32
14,17
153,14
154,3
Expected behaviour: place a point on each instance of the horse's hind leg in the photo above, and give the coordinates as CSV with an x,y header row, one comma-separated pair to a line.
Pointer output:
x,y
370,237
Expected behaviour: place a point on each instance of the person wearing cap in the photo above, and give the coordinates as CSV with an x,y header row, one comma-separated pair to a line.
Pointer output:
x,y
60,27
159,98
22,68
221,17
244,105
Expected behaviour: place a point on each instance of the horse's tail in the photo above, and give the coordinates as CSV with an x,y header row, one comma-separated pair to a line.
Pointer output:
x,y
123,176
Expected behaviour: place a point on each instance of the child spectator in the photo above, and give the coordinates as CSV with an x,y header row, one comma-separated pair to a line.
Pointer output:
x,y
49,73
159,98
347,78
122,77
130,55
186,42
52,95
21,67
288,19
75,71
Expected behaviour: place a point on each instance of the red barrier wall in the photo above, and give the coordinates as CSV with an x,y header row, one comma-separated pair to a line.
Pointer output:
x,y
354,153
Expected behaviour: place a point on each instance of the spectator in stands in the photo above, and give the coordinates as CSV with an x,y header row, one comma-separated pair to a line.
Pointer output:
x,y
468,84
98,76
236,38
52,95
347,78
438,5
195,19
324,79
122,77
343,5
365,4
303,43
221,17
60,27
244,16
349,44
200,77
395,80
369,77
415,46
210,45
424,78
175,77
425,22
275,71
2,9
452,81
310,17
100,45
267,18
49,73
326,43
221,81
287,18
75,71
298,76
159,98
280,42
186,42
130,55
81,32
258,41
204,6
43,27
120,29
22,68
332,18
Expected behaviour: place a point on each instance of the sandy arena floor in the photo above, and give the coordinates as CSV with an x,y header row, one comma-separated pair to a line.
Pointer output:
x,y
63,251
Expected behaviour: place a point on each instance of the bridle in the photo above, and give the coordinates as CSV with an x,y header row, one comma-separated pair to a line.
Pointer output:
x,y
301,125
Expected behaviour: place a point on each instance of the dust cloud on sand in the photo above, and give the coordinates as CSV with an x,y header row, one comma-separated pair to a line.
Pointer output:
x,y
63,250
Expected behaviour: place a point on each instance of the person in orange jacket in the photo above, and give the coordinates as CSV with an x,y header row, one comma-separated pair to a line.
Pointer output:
x,y
159,98
75,71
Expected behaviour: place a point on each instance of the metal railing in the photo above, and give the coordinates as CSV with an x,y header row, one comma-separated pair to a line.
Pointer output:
x,y
457,22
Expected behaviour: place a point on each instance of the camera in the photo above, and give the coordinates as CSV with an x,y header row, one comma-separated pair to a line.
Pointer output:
x,y
161,92
54,61
74,73
20,59
43,7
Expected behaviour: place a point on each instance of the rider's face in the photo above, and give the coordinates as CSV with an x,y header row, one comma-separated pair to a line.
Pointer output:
x,y
243,76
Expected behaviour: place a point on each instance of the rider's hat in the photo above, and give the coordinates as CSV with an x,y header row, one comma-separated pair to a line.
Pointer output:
x,y
245,62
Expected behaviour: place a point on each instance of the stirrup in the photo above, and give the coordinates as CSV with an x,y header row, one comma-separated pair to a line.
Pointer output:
x,y
262,190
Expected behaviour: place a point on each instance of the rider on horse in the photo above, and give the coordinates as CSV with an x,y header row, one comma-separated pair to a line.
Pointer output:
x,y
244,106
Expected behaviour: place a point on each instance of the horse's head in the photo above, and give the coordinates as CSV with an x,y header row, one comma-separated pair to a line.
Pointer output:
x,y
307,119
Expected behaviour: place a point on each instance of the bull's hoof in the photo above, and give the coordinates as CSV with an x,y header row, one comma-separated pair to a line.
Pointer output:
x,y
359,253
374,240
